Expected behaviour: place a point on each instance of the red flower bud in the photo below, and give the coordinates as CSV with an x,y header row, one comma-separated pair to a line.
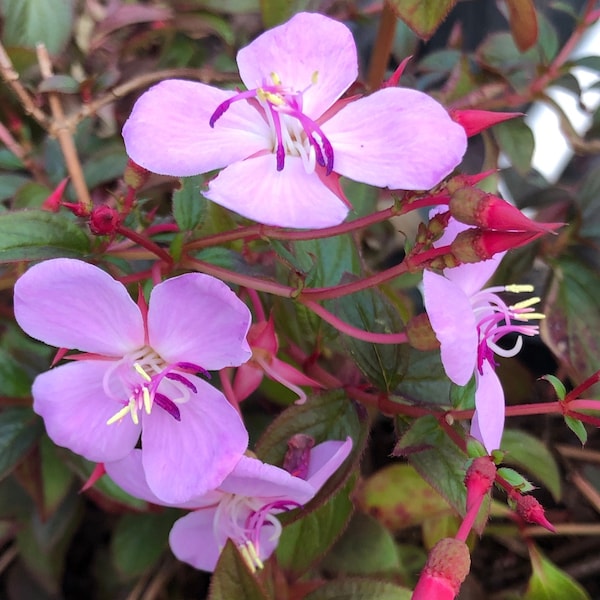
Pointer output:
x,y
479,479
473,206
447,566
474,245
104,220
54,200
475,121
531,511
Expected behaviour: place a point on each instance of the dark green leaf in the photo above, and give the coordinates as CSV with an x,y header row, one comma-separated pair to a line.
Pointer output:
x,y
65,84
515,139
14,380
37,234
359,589
233,579
422,16
57,477
588,62
105,165
369,310
440,61
275,12
10,183
30,22
140,539
365,548
189,205
527,452
307,539
19,430
548,582
30,195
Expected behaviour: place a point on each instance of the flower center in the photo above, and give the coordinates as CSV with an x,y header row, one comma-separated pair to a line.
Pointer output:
x,y
495,320
145,379
293,132
241,519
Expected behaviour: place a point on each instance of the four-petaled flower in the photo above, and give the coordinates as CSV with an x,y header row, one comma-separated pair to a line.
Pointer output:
x,y
468,322
287,138
243,509
138,373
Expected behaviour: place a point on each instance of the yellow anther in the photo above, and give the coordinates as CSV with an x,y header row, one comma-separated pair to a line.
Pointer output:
x,y
120,415
247,558
519,288
526,303
147,400
530,316
315,77
254,555
141,371
275,79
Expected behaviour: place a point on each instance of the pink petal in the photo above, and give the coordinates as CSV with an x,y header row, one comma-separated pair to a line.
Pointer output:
x,y
471,277
288,198
185,459
75,409
168,131
246,381
308,43
488,421
196,318
398,138
192,539
254,478
325,460
71,304
128,474
453,322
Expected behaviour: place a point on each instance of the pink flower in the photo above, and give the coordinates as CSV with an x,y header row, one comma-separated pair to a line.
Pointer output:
x,y
283,143
243,509
468,322
138,374
265,345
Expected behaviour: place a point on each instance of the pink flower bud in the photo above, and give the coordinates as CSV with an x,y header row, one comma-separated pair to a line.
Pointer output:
x,y
479,479
531,511
104,220
447,567
475,121
54,200
473,206
474,245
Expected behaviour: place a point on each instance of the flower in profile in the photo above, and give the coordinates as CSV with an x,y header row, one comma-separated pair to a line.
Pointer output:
x,y
138,373
242,509
468,321
283,142
265,345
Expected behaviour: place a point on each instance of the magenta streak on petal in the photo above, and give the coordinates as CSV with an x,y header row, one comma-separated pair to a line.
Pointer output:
x,y
167,405
192,368
181,379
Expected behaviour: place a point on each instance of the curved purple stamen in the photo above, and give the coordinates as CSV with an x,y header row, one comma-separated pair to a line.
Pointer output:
x,y
181,379
256,520
224,106
168,405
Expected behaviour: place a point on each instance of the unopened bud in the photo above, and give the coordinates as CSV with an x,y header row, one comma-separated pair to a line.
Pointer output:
x,y
134,175
475,121
473,206
474,245
447,566
479,479
531,511
462,180
53,202
104,220
420,333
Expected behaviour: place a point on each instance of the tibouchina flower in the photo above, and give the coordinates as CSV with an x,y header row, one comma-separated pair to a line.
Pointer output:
x,y
468,322
284,141
243,509
138,373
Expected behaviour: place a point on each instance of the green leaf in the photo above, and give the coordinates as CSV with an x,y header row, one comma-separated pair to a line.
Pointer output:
x,y
437,459
557,384
233,579
398,497
31,195
105,165
305,540
515,139
20,428
573,318
275,12
57,477
30,22
527,452
64,84
359,589
369,310
523,23
588,62
140,539
14,379
10,183
548,582
578,428
365,548
516,480
37,235
188,204
422,16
